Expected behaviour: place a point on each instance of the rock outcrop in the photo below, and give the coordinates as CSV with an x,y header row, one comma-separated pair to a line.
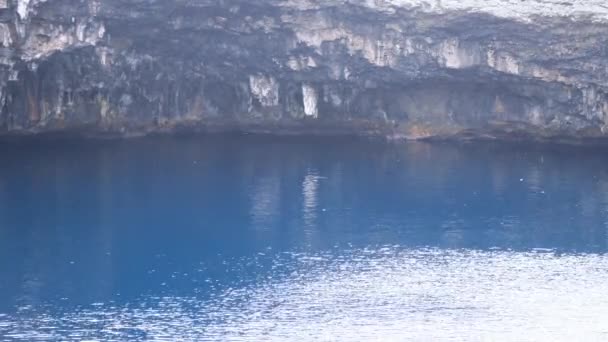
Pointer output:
x,y
398,68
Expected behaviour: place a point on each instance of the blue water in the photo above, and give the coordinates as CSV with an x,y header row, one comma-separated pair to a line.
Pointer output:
x,y
252,238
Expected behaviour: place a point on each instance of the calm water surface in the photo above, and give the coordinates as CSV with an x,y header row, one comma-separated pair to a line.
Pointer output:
x,y
242,238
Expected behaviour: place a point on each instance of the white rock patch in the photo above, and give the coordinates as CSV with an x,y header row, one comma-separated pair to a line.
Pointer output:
x,y
311,100
265,89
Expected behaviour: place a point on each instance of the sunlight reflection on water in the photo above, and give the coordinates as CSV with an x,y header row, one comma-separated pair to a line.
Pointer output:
x,y
385,294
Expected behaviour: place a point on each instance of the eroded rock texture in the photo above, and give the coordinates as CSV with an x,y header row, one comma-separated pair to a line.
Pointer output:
x,y
400,68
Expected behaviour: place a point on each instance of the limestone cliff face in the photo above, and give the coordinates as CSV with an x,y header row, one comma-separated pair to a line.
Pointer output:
x,y
400,68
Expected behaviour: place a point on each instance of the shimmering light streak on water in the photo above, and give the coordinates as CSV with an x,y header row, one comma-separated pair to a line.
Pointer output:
x,y
383,294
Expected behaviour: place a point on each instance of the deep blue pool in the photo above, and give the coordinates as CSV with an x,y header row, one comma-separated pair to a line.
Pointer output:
x,y
256,238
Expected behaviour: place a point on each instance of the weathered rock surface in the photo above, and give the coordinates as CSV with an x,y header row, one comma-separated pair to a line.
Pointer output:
x,y
400,68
